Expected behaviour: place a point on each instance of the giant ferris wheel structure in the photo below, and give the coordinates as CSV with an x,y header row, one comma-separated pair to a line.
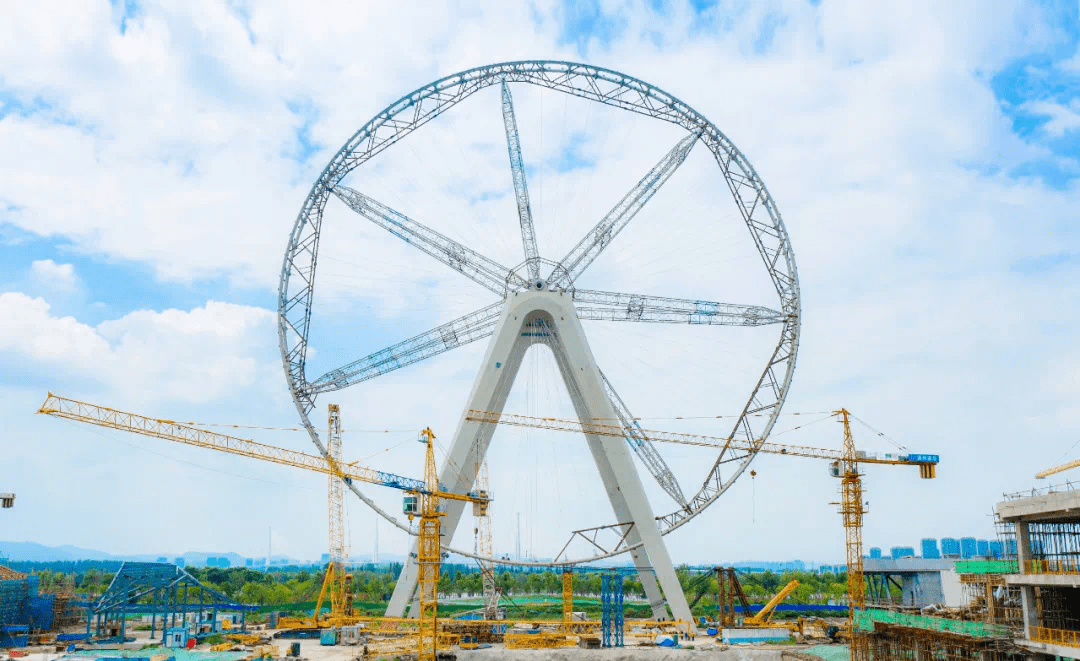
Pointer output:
x,y
543,301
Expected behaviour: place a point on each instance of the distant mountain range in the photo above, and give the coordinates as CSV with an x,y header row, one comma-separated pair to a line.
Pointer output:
x,y
34,552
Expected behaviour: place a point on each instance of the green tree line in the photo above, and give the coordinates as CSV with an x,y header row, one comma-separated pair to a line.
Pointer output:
x,y
375,584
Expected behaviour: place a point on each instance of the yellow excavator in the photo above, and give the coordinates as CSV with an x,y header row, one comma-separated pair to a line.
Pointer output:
x,y
763,618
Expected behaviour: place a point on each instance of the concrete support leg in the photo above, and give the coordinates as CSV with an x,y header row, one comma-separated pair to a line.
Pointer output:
x,y
607,475
565,337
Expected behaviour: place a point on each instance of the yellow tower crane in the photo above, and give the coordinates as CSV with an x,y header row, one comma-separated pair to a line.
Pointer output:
x,y
421,499
845,465
484,547
336,581
1058,469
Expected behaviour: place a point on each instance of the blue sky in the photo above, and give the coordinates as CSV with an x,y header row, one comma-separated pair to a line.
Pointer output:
x,y
925,157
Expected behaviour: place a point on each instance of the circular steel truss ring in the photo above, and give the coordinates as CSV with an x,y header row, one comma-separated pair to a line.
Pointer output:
x,y
410,112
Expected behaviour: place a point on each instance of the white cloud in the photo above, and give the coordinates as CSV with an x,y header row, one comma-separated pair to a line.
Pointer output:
x,y
52,275
1063,118
30,330
865,125
189,356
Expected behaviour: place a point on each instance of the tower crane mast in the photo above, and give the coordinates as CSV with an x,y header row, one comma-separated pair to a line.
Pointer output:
x,y
852,510
485,547
422,496
336,580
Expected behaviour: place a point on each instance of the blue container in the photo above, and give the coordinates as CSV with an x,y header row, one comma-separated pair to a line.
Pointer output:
x,y
969,548
328,637
898,552
996,549
984,548
930,549
950,548
875,552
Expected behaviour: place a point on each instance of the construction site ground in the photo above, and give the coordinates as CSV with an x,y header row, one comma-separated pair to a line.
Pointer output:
x,y
310,650
709,650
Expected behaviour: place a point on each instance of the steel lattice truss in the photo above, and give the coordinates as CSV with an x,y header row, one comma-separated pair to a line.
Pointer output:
x,y
137,586
755,205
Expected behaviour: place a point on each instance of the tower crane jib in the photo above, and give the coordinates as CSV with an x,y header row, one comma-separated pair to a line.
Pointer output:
x,y
845,465
428,491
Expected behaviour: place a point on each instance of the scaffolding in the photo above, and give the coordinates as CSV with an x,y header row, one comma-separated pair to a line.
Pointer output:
x,y
1059,608
1055,548
892,642
611,598
988,599
68,610
567,596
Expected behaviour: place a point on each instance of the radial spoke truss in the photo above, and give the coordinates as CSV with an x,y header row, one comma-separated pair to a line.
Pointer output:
x,y
643,446
609,306
481,270
451,335
605,231
521,190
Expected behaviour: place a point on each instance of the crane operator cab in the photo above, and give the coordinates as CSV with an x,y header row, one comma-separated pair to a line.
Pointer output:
x,y
411,505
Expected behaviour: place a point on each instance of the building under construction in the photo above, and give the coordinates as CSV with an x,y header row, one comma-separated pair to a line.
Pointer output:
x,y
1046,573
29,610
1025,605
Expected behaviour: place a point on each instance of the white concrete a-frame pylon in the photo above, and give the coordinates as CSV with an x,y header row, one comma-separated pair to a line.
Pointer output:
x,y
549,318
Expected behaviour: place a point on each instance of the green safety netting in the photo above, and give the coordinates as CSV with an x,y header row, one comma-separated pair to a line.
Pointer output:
x,y
865,621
